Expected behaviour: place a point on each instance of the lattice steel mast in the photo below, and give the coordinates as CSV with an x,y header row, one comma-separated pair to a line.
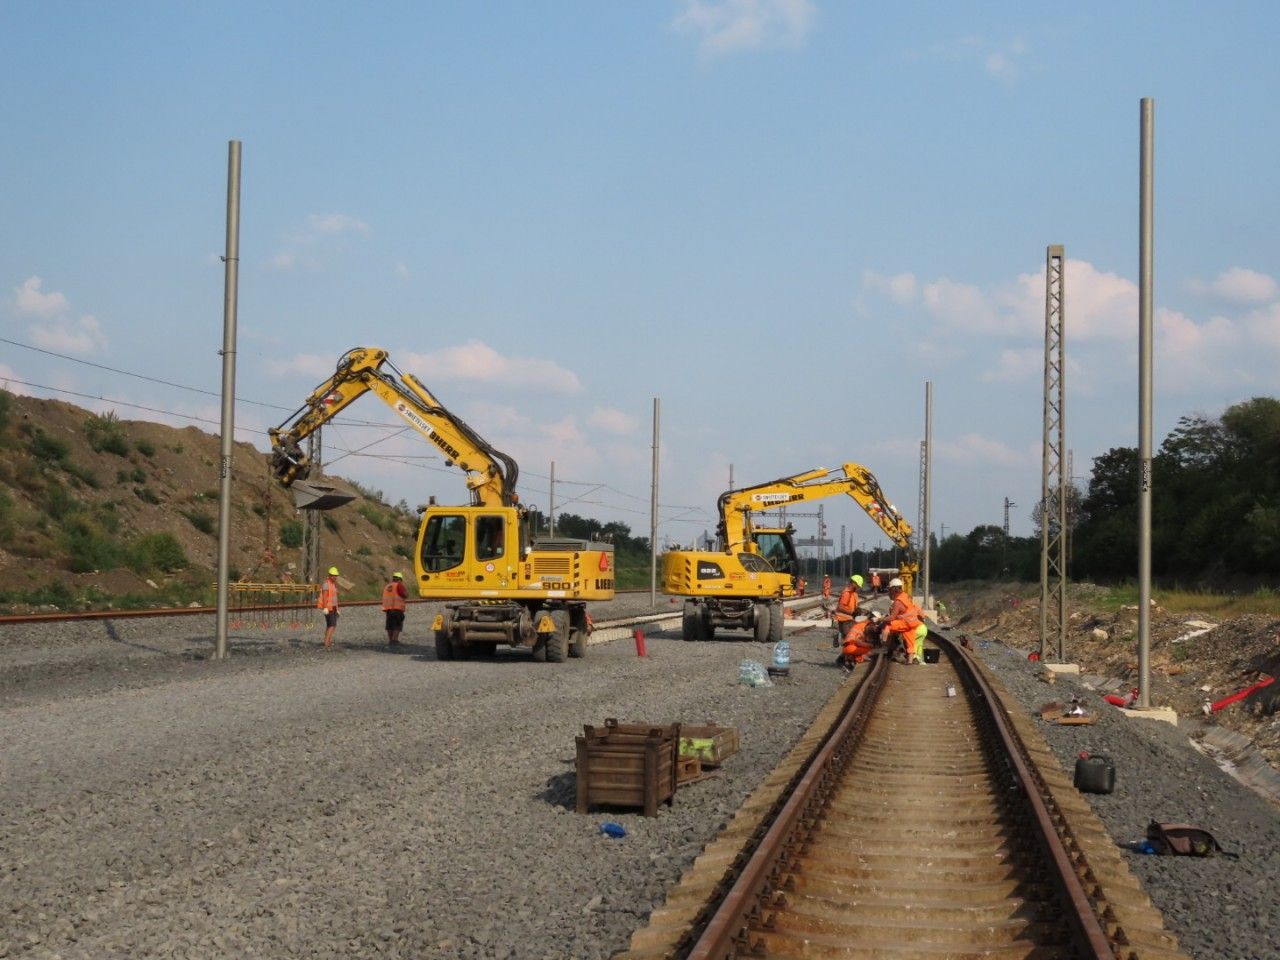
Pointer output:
x,y
1053,493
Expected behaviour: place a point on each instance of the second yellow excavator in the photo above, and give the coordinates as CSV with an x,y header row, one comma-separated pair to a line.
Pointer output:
x,y
742,585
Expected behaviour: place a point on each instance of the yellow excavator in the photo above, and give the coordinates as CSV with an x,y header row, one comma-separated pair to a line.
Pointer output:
x,y
505,587
742,585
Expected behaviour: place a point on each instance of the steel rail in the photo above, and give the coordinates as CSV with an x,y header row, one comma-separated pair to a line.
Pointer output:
x,y
724,934
730,920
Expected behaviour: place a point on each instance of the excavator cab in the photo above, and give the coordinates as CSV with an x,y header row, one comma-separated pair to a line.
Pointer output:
x,y
478,546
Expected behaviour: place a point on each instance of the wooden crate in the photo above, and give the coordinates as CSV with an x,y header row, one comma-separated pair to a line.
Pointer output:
x,y
724,743
627,765
687,769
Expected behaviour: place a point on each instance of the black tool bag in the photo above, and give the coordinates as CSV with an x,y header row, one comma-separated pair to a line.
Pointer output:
x,y
1096,774
1184,840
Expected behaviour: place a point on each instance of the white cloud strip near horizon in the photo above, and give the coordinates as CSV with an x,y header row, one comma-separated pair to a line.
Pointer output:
x,y
31,300
730,26
51,328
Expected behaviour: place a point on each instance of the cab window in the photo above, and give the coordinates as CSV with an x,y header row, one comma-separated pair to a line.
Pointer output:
x,y
491,533
443,541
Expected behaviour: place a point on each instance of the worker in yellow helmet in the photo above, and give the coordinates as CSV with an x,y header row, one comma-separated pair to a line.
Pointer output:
x,y
328,604
393,604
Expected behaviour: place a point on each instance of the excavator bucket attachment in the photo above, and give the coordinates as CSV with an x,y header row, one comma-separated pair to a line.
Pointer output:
x,y
315,496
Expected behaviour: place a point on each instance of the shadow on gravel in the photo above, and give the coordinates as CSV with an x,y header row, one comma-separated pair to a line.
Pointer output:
x,y
114,636
561,791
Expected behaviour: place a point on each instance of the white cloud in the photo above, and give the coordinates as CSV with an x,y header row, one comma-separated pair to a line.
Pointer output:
x,y
611,420
7,378
1239,285
964,306
975,448
311,365
1000,61
401,270
318,233
477,362
901,288
328,224
1014,366
728,26
30,299
69,336
1263,325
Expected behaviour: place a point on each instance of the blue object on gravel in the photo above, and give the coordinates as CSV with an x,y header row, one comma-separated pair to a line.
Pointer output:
x,y
614,830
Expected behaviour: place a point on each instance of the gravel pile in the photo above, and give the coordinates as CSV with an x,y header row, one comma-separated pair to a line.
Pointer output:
x,y
293,802
1217,907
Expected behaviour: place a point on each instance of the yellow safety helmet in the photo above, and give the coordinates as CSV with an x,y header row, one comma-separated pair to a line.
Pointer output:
x,y
856,579
333,571
397,576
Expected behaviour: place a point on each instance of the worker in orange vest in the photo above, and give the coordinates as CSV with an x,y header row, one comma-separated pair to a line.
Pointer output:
x,y
328,603
858,642
904,620
847,606
875,584
826,586
393,604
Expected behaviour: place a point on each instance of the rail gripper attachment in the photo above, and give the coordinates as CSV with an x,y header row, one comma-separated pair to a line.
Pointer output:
x,y
314,496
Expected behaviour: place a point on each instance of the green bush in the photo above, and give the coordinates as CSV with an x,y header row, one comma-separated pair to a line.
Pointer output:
x,y
364,551
201,521
89,549
331,524
138,475
400,550
145,495
47,448
122,477
106,434
58,502
157,551
146,448
83,474
291,533
6,405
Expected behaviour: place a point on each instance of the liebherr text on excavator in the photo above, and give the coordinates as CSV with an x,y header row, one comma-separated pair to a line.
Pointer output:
x,y
742,585
504,586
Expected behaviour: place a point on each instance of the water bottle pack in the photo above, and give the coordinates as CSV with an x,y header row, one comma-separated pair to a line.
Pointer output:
x,y
782,656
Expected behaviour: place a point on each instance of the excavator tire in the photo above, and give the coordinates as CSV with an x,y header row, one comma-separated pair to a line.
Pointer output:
x,y
763,623
540,650
691,622
559,640
444,646
776,616
578,633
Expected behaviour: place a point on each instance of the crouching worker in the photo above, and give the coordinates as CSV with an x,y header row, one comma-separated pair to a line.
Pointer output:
x,y
858,642
903,621
847,608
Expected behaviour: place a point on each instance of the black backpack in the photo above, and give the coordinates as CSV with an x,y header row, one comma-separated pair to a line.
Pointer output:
x,y
1184,840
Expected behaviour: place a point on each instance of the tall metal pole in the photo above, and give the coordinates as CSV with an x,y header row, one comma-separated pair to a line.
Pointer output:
x,y
928,490
551,501
653,513
1053,487
231,286
1146,258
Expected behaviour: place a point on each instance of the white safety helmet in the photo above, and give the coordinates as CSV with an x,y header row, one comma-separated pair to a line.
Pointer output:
x,y
895,582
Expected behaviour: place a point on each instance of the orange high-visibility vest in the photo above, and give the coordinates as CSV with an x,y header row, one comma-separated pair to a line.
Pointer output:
x,y
328,596
904,614
847,603
393,596
826,586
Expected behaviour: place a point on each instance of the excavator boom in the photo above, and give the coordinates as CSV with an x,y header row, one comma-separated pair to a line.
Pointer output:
x,y
491,474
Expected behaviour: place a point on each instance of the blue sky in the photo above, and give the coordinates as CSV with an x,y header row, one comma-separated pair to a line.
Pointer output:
x,y
780,217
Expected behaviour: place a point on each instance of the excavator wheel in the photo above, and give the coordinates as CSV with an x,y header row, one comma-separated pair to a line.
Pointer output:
x,y
691,622
540,650
557,642
444,646
776,616
578,634
763,622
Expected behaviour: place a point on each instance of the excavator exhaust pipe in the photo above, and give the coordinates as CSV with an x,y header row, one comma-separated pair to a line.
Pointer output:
x,y
315,496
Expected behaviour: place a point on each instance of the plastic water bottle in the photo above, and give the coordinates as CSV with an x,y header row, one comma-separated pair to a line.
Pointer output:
x,y
782,656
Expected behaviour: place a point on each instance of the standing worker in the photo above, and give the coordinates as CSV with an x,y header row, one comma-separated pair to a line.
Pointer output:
x,y
847,607
393,602
904,620
826,586
875,584
328,602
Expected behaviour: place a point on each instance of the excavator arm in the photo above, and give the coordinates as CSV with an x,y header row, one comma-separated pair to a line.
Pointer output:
x,y
490,474
736,506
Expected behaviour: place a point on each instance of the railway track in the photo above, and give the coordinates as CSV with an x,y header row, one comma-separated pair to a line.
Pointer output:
x,y
911,824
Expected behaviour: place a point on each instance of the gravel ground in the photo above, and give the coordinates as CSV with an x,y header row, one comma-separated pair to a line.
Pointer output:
x,y
293,802
361,803
1220,909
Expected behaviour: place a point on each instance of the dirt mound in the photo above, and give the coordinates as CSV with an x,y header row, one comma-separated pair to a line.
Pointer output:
x,y
1196,659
